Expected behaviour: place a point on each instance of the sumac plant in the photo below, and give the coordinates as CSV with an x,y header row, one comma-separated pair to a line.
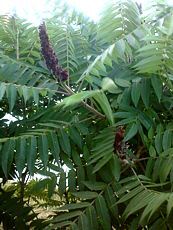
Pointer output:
x,y
93,109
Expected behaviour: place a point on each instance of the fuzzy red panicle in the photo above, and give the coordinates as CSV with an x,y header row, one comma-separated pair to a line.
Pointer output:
x,y
118,145
50,56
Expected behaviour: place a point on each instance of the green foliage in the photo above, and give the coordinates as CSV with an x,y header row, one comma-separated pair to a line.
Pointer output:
x,y
102,140
22,217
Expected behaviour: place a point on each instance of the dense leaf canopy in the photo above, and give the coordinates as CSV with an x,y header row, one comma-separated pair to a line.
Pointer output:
x,y
101,137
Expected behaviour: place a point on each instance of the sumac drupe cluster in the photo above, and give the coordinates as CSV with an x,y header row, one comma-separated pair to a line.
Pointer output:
x,y
50,56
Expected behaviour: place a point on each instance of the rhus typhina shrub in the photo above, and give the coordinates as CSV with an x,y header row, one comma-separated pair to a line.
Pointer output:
x,y
92,103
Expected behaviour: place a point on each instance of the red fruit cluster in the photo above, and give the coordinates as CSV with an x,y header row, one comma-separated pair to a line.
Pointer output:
x,y
50,56
118,145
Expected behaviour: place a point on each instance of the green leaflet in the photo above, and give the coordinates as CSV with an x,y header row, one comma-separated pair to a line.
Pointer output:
x,y
43,149
135,93
111,201
94,186
83,222
78,97
52,186
92,217
65,142
115,166
126,121
168,25
145,89
128,186
165,167
167,139
7,155
121,82
80,177
151,133
85,195
156,169
109,85
157,86
54,145
131,132
51,125
72,180
152,151
62,183
169,204
75,136
11,95
120,46
149,167
26,93
31,154
2,90
105,106
158,142
75,206
103,213
130,194
106,59
90,175
20,156
145,120
66,216
124,115
62,224
76,158
74,226
134,224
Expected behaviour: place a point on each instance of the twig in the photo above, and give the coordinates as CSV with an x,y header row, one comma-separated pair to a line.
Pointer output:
x,y
80,86
90,108
137,178
93,110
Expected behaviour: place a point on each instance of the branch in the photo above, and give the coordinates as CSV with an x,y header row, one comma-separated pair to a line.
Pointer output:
x,y
93,110
90,108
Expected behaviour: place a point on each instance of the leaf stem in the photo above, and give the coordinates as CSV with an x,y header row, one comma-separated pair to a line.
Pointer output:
x,y
90,108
